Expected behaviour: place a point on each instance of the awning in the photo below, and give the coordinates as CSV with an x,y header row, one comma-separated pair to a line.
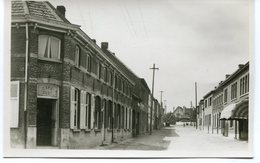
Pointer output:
x,y
241,110
235,111
227,111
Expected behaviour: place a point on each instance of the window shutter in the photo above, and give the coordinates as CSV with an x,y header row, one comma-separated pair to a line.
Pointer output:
x,y
72,107
82,109
15,88
92,111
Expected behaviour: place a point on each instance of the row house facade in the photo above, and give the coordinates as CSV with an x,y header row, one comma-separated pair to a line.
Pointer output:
x,y
228,106
66,91
208,111
200,115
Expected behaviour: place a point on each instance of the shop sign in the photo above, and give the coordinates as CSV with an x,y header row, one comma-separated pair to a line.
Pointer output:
x,y
47,90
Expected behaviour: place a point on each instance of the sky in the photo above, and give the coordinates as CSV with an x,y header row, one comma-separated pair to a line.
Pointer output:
x,y
189,40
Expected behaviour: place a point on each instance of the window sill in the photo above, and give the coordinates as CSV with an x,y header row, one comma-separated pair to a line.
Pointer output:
x,y
232,100
49,60
77,67
244,94
97,130
88,130
76,130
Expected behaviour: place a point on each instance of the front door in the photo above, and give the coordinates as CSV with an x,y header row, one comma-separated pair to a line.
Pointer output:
x,y
243,129
45,109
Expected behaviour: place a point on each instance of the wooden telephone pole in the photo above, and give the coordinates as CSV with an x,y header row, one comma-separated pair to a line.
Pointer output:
x,y
151,118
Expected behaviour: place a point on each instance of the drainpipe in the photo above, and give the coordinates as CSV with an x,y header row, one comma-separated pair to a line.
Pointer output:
x,y
113,107
25,84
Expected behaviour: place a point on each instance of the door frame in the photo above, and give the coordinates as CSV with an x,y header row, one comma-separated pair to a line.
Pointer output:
x,y
55,110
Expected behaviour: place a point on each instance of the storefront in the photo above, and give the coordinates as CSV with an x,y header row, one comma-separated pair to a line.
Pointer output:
x,y
237,113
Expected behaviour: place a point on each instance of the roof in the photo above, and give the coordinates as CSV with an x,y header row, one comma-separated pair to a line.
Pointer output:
x,y
41,11
120,63
144,83
232,76
208,94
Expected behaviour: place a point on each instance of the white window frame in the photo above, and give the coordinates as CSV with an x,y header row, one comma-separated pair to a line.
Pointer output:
x,y
74,108
49,45
83,109
77,56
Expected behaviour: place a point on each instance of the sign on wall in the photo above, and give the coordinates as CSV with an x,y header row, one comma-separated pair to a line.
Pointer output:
x,y
47,90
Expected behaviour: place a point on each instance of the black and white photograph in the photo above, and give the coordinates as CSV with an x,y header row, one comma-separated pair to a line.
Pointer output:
x,y
129,79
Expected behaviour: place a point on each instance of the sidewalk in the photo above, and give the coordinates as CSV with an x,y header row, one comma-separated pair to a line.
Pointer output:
x,y
186,141
196,143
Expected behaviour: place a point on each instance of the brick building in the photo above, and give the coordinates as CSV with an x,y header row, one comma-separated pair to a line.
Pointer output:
x,y
229,105
200,115
208,111
66,91
234,115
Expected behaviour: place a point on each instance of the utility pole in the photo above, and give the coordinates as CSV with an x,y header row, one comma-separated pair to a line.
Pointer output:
x,y
151,124
196,105
161,98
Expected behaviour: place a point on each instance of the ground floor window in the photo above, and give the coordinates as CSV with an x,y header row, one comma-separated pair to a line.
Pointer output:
x,y
75,108
97,113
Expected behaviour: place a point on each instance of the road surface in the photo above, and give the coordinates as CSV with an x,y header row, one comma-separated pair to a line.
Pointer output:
x,y
185,142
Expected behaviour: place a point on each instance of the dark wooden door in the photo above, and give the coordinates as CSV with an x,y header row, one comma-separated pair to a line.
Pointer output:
x,y
44,122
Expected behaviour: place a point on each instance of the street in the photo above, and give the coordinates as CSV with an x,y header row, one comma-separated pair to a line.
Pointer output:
x,y
185,141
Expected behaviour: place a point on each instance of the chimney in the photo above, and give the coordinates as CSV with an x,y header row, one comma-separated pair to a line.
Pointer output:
x,y
61,10
94,40
104,45
227,75
240,66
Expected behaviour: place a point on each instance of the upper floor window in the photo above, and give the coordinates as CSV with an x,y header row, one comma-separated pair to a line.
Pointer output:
x,y
244,85
100,71
49,47
210,99
104,74
233,91
225,95
77,56
109,77
88,63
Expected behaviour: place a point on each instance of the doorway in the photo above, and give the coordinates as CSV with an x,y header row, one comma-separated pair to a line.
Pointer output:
x,y
46,122
243,129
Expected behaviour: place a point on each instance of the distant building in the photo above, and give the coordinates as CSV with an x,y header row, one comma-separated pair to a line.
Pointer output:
x,y
183,114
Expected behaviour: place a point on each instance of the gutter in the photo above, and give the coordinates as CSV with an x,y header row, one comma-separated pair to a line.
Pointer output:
x,y
26,84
